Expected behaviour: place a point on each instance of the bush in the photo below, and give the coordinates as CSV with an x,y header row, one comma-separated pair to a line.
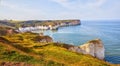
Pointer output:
x,y
14,56
25,49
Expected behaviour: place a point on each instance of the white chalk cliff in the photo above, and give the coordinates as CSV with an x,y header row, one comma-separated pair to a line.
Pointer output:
x,y
93,47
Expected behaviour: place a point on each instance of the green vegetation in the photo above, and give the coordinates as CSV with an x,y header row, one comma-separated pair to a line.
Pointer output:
x,y
4,29
22,48
16,24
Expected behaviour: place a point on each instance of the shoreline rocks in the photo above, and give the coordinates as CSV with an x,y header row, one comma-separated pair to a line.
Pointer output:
x,y
93,47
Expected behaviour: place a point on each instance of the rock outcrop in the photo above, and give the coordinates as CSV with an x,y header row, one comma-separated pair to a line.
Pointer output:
x,y
43,39
6,31
93,47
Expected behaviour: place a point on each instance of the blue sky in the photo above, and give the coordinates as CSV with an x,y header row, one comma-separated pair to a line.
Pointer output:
x,y
60,9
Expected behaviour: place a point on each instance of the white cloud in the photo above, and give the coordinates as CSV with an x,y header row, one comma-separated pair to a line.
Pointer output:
x,y
97,3
79,9
60,1
90,9
17,11
64,3
79,3
16,7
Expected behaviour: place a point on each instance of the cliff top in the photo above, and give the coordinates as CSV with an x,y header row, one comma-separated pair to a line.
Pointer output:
x,y
22,48
96,41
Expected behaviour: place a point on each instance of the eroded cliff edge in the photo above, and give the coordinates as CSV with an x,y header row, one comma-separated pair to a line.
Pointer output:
x,y
93,47
39,49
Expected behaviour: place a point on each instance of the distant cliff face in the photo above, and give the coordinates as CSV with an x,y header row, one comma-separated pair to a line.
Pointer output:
x,y
47,25
93,47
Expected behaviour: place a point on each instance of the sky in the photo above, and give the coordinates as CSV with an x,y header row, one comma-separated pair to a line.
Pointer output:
x,y
59,9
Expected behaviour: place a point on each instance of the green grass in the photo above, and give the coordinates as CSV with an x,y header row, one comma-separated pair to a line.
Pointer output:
x,y
12,55
59,54
22,48
9,55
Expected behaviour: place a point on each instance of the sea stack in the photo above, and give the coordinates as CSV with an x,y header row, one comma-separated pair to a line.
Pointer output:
x,y
93,47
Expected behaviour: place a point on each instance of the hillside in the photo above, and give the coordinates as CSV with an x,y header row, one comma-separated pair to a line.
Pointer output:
x,y
23,50
4,30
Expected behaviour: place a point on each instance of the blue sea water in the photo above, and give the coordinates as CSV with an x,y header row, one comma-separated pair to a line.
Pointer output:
x,y
107,31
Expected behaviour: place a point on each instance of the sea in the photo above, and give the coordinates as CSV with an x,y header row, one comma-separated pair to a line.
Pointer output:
x,y
106,30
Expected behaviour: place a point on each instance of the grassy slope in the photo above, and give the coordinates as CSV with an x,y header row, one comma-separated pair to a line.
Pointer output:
x,y
22,48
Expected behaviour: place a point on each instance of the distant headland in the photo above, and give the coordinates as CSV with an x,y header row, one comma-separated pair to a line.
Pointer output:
x,y
22,47
30,25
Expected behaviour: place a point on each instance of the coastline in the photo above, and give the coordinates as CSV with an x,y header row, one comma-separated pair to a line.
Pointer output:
x,y
68,43
38,46
54,26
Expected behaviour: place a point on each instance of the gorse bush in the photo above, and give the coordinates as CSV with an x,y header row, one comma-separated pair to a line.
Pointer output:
x,y
15,56
25,49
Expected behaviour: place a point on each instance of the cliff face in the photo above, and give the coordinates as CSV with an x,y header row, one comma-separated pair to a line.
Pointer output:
x,y
93,47
48,25
27,49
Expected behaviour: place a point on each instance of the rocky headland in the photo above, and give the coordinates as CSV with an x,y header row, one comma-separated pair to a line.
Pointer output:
x,y
31,25
94,47
33,49
49,25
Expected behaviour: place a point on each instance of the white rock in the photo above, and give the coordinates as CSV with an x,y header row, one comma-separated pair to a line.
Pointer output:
x,y
93,47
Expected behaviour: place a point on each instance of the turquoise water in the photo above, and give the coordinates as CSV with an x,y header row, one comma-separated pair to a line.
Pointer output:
x,y
107,31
